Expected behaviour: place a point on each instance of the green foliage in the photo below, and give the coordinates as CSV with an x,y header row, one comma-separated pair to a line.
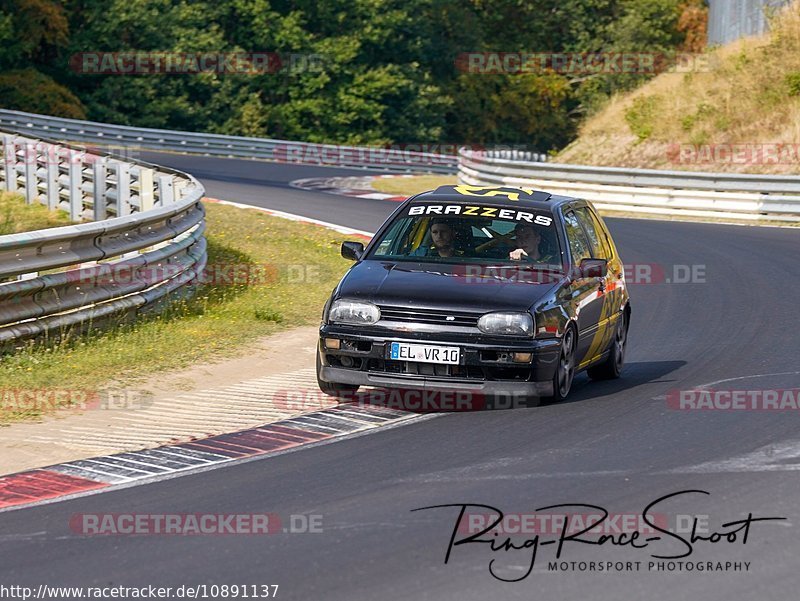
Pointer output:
x,y
649,27
703,110
384,70
793,83
642,115
31,91
267,315
531,108
16,216
742,61
31,30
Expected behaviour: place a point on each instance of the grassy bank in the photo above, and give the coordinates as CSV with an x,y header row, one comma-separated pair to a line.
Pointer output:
x,y
265,274
747,93
16,216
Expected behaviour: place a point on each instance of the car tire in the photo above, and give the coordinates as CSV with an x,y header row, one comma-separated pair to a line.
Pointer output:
x,y
611,368
334,388
565,370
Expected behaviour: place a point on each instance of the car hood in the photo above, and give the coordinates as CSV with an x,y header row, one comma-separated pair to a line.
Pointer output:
x,y
457,287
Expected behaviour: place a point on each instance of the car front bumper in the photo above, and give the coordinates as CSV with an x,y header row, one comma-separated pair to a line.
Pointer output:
x,y
484,369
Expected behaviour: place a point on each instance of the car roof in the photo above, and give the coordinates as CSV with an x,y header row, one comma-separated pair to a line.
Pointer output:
x,y
494,195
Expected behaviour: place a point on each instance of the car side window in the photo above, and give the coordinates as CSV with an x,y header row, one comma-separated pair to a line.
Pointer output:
x,y
396,237
594,231
578,244
605,236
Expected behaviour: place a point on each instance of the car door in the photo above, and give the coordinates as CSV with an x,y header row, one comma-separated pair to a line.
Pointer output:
x,y
608,302
585,294
615,280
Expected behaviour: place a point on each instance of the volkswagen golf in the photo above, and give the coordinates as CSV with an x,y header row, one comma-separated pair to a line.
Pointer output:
x,y
494,291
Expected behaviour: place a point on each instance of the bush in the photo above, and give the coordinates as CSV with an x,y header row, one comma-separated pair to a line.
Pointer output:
x,y
641,116
34,92
793,81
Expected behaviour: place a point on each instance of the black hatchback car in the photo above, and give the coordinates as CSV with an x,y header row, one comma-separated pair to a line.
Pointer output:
x,y
496,291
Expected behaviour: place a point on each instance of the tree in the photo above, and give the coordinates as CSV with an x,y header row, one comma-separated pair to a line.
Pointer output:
x,y
356,72
32,33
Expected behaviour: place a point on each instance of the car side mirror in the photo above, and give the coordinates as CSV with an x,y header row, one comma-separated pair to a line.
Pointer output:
x,y
352,250
594,268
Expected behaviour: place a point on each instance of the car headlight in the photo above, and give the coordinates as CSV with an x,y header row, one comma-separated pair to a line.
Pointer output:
x,y
509,324
354,312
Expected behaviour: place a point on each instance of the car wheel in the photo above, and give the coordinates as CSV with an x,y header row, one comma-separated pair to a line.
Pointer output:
x,y
565,372
611,368
333,388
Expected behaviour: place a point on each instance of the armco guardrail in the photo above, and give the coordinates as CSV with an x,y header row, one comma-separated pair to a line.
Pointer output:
x,y
145,244
383,159
693,194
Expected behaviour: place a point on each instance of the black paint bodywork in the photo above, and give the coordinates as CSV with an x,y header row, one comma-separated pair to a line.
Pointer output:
x,y
424,294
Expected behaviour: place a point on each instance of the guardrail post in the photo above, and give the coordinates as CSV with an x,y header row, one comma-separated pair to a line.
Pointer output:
x,y
10,156
166,191
75,181
31,181
123,172
99,175
146,193
180,188
53,187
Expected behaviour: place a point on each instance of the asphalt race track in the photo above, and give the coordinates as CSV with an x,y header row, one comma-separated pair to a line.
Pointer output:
x,y
267,185
617,445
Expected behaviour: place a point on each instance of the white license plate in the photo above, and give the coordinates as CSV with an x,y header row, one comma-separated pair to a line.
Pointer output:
x,y
423,353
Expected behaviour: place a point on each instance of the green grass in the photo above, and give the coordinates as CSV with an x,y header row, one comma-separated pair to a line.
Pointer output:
x,y
16,216
408,186
295,265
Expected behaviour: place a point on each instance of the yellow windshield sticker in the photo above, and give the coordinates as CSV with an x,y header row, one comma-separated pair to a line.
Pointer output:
x,y
510,193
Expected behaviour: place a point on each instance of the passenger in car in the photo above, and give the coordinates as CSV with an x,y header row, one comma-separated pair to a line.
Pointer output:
x,y
528,240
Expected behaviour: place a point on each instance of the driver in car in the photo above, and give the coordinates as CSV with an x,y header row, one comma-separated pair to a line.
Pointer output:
x,y
443,238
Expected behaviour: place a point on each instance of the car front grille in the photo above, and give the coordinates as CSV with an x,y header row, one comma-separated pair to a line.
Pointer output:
x,y
429,316
509,373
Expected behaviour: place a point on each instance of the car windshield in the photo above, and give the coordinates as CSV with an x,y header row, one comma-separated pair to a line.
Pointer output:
x,y
462,233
